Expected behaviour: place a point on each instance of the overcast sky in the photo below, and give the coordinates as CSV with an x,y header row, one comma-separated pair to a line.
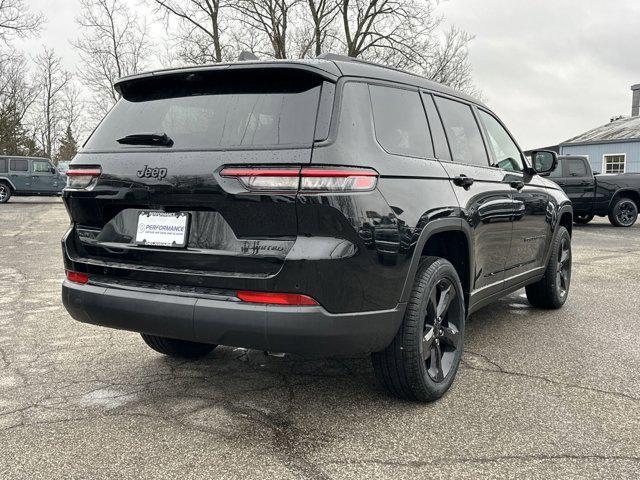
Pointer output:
x,y
550,68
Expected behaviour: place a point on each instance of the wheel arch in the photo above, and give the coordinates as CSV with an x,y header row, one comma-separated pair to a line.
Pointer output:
x,y
448,239
624,193
8,182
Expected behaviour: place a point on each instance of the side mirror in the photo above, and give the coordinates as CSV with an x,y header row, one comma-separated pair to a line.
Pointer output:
x,y
544,161
52,170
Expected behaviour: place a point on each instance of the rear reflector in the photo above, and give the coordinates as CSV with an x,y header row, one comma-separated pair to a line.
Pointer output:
x,y
320,179
82,177
277,298
77,277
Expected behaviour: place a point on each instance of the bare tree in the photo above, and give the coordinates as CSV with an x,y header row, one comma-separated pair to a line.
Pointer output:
x,y
201,34
271,18
323,16
16,20
113,43
51,81
16,97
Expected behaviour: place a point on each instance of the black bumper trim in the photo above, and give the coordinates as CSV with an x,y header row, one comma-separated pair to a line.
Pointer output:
x,y
310,330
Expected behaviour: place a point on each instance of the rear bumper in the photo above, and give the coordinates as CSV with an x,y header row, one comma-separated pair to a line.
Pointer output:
x,y
310,330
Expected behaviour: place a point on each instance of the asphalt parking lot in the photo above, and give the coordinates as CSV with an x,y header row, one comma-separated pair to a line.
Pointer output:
x,y
539,395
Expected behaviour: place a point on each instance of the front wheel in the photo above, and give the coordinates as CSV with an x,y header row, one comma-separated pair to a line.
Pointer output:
x,y
177,348
551,292
422,361
624,213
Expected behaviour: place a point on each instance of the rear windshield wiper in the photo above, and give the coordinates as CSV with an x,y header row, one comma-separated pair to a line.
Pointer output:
x,y
153,139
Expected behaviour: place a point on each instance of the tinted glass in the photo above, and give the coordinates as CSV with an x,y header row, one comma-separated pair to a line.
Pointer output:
x,y
463,133
506,152
437,131
577,168
557,173
3,165
400,122
214,111
41,167
19,165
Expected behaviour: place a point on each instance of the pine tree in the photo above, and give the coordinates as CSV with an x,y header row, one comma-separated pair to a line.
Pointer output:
x,y
68,147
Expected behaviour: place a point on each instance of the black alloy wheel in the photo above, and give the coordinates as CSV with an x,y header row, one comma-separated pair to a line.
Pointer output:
x,y
625,213
563,275
441,340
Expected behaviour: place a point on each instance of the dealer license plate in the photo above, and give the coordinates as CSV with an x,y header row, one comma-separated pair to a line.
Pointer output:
x,y
162,229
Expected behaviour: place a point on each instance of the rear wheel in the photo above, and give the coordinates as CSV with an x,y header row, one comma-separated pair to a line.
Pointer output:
x,y
624,213
177,348
583,219
5,192
422,361
551,292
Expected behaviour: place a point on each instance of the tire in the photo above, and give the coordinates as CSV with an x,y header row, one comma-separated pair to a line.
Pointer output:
x,y
422,361
624,213
583,219
552,291
177,348
5,192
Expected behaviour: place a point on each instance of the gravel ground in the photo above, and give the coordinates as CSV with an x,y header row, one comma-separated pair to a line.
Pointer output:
x,y
539,395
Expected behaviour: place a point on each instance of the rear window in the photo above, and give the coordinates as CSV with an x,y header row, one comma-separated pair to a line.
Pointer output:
x,y
216,110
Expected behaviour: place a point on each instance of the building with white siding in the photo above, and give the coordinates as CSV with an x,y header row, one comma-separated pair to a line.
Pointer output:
x,y
614,147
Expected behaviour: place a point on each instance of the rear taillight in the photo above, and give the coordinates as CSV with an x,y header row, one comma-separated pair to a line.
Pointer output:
x,y
271,298
310,180
77,277
81,177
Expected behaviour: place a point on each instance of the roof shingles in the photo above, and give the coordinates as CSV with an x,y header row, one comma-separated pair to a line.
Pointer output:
x,y
624,129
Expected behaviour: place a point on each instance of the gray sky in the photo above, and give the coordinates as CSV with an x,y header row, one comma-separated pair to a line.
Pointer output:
x,y
550,68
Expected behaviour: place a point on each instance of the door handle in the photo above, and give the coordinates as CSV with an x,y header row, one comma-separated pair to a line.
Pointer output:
x,y
518,184
463,181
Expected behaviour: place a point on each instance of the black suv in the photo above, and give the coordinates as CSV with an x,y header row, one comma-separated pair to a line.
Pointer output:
x,y
327,206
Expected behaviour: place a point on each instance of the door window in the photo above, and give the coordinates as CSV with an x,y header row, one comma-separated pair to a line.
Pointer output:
x,y
506,152
557,173
400,122
462,132
437,131
41,167
577,168
19,165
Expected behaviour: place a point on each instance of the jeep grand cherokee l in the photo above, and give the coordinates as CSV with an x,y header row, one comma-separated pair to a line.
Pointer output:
x,y
326,206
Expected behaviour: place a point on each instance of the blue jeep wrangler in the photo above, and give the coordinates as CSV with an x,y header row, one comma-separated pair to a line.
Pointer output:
x,y
29,176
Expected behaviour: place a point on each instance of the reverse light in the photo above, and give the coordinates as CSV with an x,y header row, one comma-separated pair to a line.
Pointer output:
x,y
277,298
77,277
311,180
80,177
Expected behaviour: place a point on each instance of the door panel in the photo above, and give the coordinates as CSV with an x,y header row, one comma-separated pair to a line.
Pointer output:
x,y
43,181
19,174
579,185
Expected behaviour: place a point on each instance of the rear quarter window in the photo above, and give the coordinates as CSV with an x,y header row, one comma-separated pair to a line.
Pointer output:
x,y
19,165
400,121
3,165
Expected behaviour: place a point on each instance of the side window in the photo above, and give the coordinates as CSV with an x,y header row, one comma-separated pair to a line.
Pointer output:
x,y
40,166
463,132
577,168
3,165
19,165
437,131
506,152
557,173
400,122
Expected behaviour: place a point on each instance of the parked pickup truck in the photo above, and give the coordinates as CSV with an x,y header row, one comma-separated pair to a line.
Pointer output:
x,y
616,196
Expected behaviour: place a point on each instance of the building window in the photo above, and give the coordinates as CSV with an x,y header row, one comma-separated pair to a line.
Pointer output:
x,y
615,163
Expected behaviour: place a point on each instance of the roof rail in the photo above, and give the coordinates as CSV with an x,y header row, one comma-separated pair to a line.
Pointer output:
x,y
344,58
